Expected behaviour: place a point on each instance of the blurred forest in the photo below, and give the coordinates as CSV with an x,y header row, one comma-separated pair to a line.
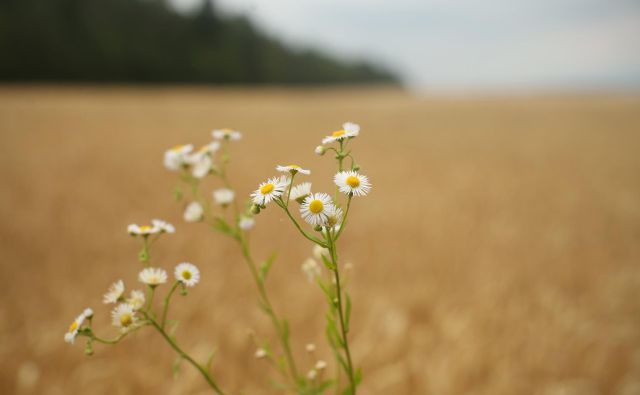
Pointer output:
x,y
148,41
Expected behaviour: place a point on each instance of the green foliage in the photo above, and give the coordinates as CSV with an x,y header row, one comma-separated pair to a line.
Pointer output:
x,y
146,41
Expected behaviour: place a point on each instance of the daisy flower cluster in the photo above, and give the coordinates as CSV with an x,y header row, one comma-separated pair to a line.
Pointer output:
x,y
136,310
326,215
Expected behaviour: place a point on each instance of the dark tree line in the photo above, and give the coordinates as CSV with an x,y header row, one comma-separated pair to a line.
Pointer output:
x,y
146,41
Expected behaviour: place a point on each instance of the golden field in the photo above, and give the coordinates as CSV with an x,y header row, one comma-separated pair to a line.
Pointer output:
x,y
498,253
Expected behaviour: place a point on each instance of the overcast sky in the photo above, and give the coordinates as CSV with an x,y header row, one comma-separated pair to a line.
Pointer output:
x,y
467,45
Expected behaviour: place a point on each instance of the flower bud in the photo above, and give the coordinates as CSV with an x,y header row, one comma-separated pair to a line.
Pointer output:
x,y
320,150
317,228
310,347
356,167
255,209
260,353
88,348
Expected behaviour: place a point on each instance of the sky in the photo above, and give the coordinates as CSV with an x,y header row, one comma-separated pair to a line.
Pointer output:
x,y
466,46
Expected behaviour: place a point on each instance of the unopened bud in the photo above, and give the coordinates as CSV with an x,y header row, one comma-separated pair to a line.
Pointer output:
x,y
317,228
260,353
255,209
320,150
88,348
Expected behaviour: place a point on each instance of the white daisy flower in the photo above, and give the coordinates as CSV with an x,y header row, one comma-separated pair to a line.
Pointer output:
x,y
163,226
226,134
136,299
260,353
224,196
311,375
348,130
310,347
187,273
246,223
334,217
293,169
114,293
88,313
318,251
175,157
152,276
142,230
70,336
269,190
123,316
321,365
193,212
300,191
311,269
315,208
351,182
210,148
202,165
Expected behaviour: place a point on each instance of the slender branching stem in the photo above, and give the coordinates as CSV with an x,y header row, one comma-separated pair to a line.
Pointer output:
x,y
167,301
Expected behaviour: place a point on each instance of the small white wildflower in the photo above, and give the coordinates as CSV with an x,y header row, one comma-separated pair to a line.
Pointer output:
x,y
293,169
260,353
315,208
353,183
72,332
311,268
210,148
202,165
163,226
136,299
321,365
152,276
246,223
142,230
187,273
269,190
175,157
123,316
193,212
300,191
310,347
348,130
334,217
311,375
318,251
224,196
114,293
226,134
88,312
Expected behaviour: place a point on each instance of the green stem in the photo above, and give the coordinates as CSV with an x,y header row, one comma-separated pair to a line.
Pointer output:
x,y
344,218
297,225
167,300
290,185
187,357
268,307
343,329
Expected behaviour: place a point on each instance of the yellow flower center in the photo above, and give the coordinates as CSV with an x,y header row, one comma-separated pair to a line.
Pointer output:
x,y
316,206
332,221
177,148
338,133
73,326
186,275
145,228
266,188
294,166
126,320
353,181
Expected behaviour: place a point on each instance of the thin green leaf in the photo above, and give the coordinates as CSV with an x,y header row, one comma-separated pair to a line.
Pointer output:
x,y
328,263
176,367
265,266
347,313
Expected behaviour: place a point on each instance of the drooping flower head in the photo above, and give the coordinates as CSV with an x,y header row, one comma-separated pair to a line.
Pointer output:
x,y
224,196
349,130
187,273
152,276
226,134
72,332
269,190
163,226
315,208
352,183
123,316
175,157
300,192
193,212
136,299
114,293
293,169
334,217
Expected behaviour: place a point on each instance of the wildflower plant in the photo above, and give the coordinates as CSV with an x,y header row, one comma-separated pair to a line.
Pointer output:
x,y
317,216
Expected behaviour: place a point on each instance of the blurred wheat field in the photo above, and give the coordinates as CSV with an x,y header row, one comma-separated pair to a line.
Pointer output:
x,y
499,252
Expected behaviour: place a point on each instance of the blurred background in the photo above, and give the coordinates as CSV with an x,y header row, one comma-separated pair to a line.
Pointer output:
x,y
498,253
